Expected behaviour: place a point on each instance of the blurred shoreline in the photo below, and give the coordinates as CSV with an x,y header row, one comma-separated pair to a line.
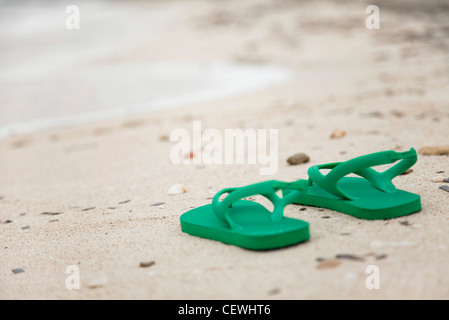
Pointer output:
x,y
211,81
52,77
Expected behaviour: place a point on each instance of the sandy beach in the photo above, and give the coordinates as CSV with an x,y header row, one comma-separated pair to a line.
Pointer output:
x,y
94,194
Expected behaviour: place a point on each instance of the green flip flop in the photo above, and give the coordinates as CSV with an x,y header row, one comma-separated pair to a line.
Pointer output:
x,y
248,224
371,197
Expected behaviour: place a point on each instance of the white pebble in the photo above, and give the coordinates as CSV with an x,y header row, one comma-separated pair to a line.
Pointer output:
x,y
177,189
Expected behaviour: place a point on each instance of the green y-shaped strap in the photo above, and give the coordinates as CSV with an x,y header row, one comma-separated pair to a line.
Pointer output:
x,y
361,166
267,189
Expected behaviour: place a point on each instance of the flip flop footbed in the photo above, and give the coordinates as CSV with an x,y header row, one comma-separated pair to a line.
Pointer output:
x,y
371,203
257,231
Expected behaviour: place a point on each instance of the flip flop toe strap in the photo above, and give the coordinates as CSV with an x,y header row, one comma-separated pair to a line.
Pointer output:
x,y
362,166
267,189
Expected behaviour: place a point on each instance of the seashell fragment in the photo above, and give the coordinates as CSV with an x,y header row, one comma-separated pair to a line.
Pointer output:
x,y
338,134
177,189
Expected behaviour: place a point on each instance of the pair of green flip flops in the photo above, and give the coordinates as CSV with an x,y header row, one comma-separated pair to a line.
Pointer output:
x,y
250,225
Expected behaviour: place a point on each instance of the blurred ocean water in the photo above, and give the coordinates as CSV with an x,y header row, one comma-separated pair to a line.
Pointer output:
x,y
51,76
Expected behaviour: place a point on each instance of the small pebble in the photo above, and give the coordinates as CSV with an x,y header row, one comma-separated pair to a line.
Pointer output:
x,y
445,188
374,114
123,202
177,189
87,209
51,213
405,223
434,150
274,291
407,171
25,227
8,221
164,137
54,220
146,264
328,264
325,217
439,179
396,113
17,270
349,257
381,256
157,204
298,158
440,171
338,134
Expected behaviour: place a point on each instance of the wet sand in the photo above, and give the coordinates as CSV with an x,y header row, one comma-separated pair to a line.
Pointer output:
x,y
98,182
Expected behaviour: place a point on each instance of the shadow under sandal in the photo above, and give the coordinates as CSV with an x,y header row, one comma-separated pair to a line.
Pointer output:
x,y
248,224
371,197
